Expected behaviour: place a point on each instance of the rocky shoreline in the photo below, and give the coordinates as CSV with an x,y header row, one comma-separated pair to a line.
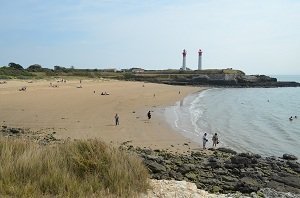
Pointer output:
x,y
223,170
219,171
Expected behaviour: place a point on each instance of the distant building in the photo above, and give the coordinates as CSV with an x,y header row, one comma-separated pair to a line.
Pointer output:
x,y
137,70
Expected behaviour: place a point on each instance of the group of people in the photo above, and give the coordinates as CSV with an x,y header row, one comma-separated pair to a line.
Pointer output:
x,y
61,80
215,140
23,89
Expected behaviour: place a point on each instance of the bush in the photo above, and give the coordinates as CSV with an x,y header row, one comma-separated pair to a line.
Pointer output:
x,y
13,72
74,169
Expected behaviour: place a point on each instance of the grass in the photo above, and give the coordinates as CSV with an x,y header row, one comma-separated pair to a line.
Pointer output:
x,y
84,168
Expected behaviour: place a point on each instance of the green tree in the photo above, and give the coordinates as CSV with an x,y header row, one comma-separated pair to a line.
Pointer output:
x,y
34,68
16,66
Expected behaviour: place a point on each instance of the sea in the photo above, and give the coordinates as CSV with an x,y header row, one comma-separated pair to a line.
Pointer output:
x,y
252,120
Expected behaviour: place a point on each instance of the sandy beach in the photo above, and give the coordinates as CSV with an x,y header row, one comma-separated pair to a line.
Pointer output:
x,y
79,113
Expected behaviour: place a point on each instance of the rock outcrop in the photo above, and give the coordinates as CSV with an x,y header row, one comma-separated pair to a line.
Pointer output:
x,y
224,171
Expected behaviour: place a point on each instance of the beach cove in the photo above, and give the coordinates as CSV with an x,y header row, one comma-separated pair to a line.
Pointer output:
x,y
77,110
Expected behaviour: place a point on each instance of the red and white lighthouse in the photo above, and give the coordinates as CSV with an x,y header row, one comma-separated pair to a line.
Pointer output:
x,y
200,59
184,60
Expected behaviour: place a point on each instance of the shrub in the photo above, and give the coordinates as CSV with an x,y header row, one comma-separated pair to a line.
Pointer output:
x,y
73,169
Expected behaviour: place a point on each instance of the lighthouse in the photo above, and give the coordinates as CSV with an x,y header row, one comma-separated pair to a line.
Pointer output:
x,y
199,59
184,60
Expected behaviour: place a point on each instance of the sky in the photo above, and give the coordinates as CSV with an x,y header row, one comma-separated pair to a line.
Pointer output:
x,y
255,36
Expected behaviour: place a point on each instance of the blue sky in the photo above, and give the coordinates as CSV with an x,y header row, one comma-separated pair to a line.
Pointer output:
x,y
256,36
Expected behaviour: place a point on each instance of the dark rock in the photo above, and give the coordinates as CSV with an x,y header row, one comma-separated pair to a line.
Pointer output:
x,y
242,161
216,189
154,166
227,150
186,168
275,166
206,174
215,163
191,176
15,130
248,185
282,187
148,151
220,171
236,171
176,175
197,154
288,180
155,158
289,157
211,181
200,185
293,165
212,159
229,179
276,185
230,186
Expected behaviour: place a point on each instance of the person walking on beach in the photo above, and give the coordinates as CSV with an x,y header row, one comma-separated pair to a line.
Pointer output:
x,y
149,115
117,119
215,140
204,139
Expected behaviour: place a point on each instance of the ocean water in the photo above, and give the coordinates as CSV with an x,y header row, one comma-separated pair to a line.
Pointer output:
x,y
246,119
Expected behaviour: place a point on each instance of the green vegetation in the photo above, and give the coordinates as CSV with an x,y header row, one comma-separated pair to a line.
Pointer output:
x,y
11,72
72,169
36,71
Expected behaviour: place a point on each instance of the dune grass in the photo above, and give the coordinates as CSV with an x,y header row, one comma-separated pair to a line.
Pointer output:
x,y
84,168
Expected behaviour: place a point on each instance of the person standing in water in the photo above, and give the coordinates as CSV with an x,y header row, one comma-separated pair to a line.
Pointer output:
x,y
117,119
215,140
204,139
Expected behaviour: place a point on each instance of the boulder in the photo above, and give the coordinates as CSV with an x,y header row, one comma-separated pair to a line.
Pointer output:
x,y
289,157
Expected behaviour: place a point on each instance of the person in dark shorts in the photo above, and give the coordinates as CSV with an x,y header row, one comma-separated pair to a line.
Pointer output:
x,y
149,115
117,119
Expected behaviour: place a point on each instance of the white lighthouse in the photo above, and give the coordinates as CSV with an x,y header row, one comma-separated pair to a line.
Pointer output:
x,y
199,59
184,60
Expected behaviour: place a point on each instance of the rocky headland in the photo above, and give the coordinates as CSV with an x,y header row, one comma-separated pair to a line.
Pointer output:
x,y
224,170
215,78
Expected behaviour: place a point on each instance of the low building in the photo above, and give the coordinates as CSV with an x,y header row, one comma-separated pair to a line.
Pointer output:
x,y
137,70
